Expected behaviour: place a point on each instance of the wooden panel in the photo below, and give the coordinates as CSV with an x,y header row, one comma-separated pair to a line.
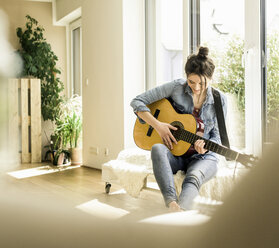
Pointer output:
x,y
13,145
29,120
19,118
24,122
36,134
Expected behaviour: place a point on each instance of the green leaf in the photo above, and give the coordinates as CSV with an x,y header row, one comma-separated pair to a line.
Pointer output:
x,y
39,61
33,69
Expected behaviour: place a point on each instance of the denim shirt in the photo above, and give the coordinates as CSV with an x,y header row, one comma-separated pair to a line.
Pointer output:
x,y
181,97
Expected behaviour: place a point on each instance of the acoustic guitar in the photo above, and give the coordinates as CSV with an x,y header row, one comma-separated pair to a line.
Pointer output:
x,y
145,136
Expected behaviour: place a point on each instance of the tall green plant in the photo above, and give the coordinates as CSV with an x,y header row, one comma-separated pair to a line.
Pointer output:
x,y
69,124
273,77
231,72
40,62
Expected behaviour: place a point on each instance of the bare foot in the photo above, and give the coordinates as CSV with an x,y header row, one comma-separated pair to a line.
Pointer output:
x,y
174,207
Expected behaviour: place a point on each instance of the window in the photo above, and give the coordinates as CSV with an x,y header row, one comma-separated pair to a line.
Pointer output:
x,y
272,68
231,30
75,86
240,58
164,41
223,33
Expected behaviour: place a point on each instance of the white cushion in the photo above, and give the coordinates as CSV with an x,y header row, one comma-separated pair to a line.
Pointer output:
x,y
134,165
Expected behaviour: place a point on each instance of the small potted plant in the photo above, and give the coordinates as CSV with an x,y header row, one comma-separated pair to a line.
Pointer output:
x,y
69,127
74,123
60,154
49,155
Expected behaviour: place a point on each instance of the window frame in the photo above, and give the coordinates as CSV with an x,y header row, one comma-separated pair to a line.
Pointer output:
x,y
150,44
194,25
263,68
71,27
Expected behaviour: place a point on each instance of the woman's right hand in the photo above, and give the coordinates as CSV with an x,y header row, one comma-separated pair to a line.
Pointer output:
x,y
163,130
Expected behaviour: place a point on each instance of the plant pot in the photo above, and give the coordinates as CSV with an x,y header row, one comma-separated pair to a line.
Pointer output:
x,y
76,156
60,159
49,156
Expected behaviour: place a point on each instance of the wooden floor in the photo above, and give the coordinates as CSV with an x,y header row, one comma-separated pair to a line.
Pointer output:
x,y
80,186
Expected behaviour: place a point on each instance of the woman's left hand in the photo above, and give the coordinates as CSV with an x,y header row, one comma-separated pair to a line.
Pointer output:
x,y
199,146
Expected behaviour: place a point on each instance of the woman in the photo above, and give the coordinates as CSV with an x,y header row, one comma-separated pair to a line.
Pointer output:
x,y
193,96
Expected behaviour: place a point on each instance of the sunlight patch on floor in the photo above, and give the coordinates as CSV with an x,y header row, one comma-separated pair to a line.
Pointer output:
x,y
119,192
42,170
102,210
185,218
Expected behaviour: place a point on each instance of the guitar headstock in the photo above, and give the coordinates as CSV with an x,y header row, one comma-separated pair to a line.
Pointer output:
x,y
247,160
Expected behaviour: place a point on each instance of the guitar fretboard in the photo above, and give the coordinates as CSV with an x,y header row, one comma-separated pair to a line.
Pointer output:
x,y
181,134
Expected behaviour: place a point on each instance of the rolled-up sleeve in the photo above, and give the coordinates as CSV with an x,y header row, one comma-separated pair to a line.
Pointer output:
x,y
139,102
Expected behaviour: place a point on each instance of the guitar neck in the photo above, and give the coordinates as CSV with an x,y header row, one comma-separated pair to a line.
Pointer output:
x,y
209,145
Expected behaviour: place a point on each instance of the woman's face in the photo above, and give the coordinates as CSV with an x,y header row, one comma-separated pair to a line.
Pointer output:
x,y
197,83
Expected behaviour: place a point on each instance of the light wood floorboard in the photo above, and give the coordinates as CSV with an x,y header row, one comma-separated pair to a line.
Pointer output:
x,y
81,185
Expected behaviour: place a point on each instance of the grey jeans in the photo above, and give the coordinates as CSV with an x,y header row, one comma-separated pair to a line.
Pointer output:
x,y
198,171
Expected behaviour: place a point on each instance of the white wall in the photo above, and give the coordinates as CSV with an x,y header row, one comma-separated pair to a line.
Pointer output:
x,y
103,115
66,7
113,72
42,12
133,61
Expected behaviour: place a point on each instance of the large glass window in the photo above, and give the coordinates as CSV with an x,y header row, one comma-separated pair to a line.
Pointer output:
x,y
272,76
215,25
223,26
222,31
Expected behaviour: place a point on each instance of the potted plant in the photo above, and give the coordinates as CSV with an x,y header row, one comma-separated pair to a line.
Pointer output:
x,y
49,155
74,125
69,127
40,62
59,151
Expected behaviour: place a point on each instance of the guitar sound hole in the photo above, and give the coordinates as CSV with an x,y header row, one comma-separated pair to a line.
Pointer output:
x,y
177,133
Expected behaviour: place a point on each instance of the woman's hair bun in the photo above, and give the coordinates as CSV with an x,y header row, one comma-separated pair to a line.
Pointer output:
x,y
200,63
203,52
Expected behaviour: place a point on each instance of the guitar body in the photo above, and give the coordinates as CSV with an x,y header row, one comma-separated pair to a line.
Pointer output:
x,y
145,137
